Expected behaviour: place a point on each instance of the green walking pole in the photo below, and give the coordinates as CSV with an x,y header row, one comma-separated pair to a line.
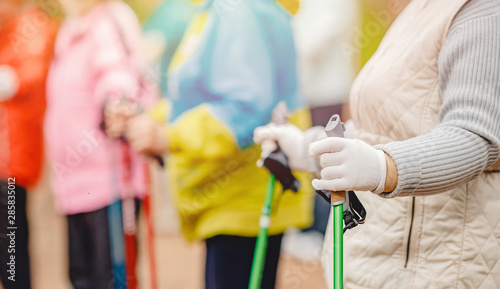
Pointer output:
x,y
346,209
335,128
259,257
277,164
338,199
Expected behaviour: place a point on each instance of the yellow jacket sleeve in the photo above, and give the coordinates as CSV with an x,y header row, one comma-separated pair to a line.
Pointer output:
x,y
200,136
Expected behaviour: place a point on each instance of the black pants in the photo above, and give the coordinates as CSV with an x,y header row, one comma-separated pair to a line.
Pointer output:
x,y
89,250
14,242
229,262
90,264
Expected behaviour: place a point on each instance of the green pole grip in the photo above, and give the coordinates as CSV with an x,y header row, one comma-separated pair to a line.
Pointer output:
x,y
259,256
338,245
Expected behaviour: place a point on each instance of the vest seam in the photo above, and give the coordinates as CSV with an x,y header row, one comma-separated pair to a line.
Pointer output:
x,y
463,232
405,234
418,240
443,39
427,107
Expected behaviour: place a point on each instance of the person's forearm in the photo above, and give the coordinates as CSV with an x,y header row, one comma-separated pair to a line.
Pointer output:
x,y
436,162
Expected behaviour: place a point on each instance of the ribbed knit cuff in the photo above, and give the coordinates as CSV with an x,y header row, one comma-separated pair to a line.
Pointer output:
x,y
438,161
409,168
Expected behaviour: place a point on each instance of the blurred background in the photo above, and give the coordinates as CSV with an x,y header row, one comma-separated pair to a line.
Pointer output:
x,y
333,38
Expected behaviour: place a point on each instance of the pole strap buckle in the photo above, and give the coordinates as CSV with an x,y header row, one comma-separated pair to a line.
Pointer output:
x,y
354,212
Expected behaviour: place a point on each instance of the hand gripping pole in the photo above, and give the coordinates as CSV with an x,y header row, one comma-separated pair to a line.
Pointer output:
x,y
335,128
277,164
346,208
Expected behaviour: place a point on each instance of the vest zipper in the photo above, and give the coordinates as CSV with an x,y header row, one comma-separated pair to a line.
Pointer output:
x,y
409,233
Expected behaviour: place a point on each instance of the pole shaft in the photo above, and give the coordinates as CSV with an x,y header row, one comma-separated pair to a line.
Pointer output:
x,y
129,219
117,244
338,237
259,257
150,239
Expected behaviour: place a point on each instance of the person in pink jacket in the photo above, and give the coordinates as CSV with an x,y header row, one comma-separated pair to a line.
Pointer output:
x,y
97,61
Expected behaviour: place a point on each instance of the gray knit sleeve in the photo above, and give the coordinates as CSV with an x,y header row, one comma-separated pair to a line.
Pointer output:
x,y
467,140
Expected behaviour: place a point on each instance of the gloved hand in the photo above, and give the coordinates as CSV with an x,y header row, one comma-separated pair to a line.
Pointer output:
x,y
292,141
9,82
349,164
146,135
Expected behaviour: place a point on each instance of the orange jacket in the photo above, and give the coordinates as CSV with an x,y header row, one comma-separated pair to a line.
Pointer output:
x,y
27,46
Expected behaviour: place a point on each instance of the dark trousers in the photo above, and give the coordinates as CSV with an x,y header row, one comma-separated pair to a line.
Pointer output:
x,y
89,250
90,263
14,242
229,262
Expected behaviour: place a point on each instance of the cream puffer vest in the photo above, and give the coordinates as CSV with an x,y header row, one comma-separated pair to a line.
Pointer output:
x,y
447,240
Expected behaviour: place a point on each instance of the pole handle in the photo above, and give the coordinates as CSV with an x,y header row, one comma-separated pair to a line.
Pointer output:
x,y
335,128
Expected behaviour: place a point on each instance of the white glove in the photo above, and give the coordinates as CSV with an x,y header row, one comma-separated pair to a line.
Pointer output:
x,y
292,141
9,83
349,164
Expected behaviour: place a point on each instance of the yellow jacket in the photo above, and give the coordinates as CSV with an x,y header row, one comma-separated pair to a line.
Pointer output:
x,y
224,81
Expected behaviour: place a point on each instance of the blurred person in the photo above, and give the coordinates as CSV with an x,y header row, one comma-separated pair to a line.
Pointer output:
x,y
322,30
27,38
97,61
163,32
425,159
235,63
